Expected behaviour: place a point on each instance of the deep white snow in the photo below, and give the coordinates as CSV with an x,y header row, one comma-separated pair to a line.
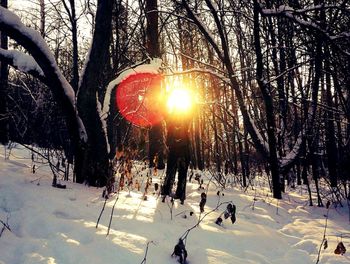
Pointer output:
x,y
50,225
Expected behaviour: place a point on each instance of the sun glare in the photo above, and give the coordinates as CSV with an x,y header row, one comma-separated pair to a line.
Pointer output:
x,y
179,100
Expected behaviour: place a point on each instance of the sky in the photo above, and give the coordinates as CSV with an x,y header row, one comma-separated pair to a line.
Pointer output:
x,y
19,4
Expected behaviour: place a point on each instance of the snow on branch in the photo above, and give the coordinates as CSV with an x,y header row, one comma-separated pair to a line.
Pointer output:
x,y
305,10
294,152
103,121
10,20
22,62
263,143
290,13
206,65
205,71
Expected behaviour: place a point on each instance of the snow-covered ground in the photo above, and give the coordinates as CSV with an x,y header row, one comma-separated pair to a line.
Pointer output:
x,y
50,225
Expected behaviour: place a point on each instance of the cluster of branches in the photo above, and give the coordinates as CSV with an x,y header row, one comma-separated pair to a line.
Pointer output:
x,y
272,76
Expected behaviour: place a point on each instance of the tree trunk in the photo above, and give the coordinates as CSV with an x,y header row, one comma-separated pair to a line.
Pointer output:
x,y
270,119
306,180
156,142
280,84
42,18
116,124
197,138
235,133
242,158
217,153
178,157
315,164
75,70
92,159
331,144
4,118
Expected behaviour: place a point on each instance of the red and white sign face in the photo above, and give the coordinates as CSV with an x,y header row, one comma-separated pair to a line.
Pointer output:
x,y
139,99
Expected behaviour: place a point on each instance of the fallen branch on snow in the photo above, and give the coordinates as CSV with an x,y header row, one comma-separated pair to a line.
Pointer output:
x,y
145,257
5,226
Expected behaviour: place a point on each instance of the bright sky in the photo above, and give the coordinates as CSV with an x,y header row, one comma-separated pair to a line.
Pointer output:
x,y
20,4
84,27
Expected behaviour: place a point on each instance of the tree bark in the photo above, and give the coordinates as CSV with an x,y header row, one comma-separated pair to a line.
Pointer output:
x,y
74,30
42,18
75,70
4,123
156,142
270,119
197,138
331,144
179,156
92,161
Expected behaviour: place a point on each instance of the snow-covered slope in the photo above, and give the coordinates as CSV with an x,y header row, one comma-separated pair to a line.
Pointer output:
x,y
50,225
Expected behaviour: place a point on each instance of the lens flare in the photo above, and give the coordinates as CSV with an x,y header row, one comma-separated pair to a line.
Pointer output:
x,y
139,99
179,101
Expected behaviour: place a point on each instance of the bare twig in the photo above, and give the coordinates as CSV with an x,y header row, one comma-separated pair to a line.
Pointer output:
x,y
200,219
52,166
5,226
145,257
348,202
254,200
110,219
104,205
323,238
207,190
182,212
171,207
103,208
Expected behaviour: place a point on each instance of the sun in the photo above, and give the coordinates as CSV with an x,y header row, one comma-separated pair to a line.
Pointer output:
x,y
179,101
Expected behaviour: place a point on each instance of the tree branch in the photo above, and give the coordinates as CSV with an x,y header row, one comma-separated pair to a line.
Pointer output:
x,y
23,62
64,94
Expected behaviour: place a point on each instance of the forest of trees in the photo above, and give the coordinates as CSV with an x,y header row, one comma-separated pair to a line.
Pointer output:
x,y
271,80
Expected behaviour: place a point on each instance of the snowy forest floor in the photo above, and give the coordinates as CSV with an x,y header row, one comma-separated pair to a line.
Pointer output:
x,y
50,225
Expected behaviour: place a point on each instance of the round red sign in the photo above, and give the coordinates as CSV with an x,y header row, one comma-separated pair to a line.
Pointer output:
x,y
139,99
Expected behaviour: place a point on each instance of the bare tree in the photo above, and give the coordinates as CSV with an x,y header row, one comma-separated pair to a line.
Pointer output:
x,y
92,163
88,167
4,123
156,144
